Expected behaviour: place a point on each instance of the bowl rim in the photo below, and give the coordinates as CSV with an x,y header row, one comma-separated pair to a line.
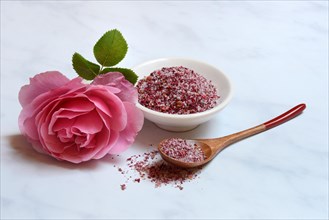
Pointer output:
x,y
193,115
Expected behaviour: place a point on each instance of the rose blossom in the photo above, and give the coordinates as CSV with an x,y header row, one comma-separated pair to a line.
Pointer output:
x,y
76,122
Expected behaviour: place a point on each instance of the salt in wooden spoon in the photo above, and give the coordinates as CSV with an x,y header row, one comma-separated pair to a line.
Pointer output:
x,y
211,147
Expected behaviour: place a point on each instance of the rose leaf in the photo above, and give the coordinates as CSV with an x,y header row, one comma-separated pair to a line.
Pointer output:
x,y
111,48
84,68
129,74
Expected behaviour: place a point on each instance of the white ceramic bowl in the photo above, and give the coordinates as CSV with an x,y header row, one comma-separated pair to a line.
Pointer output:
x,y
175,122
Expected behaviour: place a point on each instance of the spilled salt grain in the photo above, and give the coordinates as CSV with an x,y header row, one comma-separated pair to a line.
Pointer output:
x,y
150,167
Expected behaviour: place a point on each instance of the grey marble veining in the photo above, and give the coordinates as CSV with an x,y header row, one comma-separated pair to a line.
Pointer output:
x,y
276,54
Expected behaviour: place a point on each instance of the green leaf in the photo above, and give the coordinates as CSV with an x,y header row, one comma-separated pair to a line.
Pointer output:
x,y
84,68
111,48
130,75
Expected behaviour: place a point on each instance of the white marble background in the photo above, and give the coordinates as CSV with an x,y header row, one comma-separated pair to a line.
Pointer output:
x,y
276,54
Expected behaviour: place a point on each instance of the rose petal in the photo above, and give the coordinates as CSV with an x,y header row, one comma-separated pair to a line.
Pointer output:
x,y
109,143
88,123
89,142
65,135
28,127
135,123
71,154
40,84
50,142
118,84
61,124
77,155
77,104
111,105
65,113
40,103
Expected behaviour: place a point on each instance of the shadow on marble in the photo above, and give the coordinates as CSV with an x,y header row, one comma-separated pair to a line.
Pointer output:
x,y
24,150
153,135
147,140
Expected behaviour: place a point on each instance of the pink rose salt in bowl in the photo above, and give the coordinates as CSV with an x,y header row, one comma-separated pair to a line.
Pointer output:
x,y
178,94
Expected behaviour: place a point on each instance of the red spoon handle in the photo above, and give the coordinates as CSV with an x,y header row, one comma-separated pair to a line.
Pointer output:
x,y
285,116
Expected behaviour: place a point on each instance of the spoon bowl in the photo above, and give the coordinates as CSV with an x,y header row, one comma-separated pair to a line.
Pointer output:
x,y
206,149
211,147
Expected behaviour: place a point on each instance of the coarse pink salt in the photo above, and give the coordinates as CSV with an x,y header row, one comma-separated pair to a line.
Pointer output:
x,y
177,90
182,150
150,166
123,186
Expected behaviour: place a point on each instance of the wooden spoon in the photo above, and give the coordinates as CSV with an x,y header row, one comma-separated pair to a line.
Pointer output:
x,y
211,147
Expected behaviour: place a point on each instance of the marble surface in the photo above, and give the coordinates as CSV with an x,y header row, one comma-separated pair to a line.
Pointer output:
x,y
275,53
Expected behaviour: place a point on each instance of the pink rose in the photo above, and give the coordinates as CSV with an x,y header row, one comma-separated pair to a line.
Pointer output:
x,y
76,122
